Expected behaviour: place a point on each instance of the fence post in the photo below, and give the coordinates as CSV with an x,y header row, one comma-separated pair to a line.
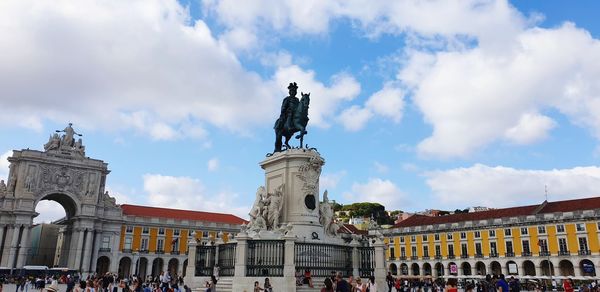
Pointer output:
x,y
190,270
380,266
240,255
355,258
289,265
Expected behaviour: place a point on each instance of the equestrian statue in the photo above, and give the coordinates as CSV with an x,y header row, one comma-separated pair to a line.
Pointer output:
x,y
293,118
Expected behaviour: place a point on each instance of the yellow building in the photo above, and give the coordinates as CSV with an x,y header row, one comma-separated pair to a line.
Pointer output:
x,y
554,238
153,239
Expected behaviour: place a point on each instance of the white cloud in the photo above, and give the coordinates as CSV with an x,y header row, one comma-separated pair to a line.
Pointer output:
x,y
49,211
378,190
4,165
380,167
477,96
329,181
141,66
355,118
387,102
190,194
530,128
213,164
504,186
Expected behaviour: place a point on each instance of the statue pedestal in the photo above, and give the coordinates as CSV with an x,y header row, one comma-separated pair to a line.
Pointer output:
x,y
298,170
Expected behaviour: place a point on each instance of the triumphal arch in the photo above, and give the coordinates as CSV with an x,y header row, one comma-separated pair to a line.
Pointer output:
x,y
61,173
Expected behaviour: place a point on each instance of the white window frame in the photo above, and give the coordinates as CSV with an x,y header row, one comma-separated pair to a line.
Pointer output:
x,y
560,228
507,232
492,233
542,229
582,229
477,234
449,236
526,231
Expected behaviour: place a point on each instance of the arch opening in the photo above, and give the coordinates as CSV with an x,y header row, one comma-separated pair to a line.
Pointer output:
x,y
394,269
529,268
587,268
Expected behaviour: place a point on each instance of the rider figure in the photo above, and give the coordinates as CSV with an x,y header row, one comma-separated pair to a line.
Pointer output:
x,y
288,108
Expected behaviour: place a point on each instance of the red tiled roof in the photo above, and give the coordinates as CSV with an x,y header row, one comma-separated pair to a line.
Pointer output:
x,y
145,211
550,207
351,229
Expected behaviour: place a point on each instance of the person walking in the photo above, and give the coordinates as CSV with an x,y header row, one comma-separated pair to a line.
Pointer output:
x,y
372,287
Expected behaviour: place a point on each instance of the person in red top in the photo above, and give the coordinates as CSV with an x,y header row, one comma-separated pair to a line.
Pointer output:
x,y
568,285
308,278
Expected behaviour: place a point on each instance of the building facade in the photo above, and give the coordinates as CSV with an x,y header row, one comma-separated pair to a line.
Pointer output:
x,y
97,234
551,239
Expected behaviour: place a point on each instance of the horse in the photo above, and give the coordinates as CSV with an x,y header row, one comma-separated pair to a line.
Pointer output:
x,y
299,122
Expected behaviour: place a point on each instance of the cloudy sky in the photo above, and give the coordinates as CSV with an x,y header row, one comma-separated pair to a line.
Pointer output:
x,y
414,104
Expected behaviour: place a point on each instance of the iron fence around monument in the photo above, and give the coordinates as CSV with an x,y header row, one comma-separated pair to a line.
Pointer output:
x,y
265,258
226,259
205,260
366,260
321,259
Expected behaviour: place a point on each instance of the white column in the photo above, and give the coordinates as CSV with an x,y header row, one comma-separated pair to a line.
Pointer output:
x,y
190,269
356,258
13,246
87,252
240,261
380,271
4,255
75,254
97,240
24,247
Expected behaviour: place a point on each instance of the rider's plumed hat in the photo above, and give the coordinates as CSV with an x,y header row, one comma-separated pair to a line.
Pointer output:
x,y
293,85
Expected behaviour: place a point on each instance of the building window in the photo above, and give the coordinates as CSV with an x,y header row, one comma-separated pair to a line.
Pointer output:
x,y
160,244
580,227
507,232
145,230
402,251
413,238
526,247
401,239
161,231
176,232
477,234
509,247
542,229
543,245
478,248
128,229
106,242
562,245
583,246
127,243
175,244
560,228
524,231
413,251
436,236
449,236
492,233
424,238
425,251
438,250
144,245
463,235
463,250
392,241
493,249
450,250
392,252
204,233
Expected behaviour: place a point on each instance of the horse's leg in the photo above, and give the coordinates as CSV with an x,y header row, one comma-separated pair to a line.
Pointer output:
x,y
287,140
277,142
302,141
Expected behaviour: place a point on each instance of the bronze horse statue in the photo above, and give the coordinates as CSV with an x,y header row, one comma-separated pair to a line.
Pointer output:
x,y
298,124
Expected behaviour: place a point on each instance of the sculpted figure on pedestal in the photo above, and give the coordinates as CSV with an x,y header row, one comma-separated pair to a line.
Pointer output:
x,y
67,139
293,118
275,204
3,188
79,148
257,221
326,216
53,142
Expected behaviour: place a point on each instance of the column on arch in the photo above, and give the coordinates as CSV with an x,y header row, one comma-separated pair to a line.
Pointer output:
x,y
87,251
24,246
13,246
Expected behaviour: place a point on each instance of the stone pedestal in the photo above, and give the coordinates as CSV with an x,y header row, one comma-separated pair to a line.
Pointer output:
x,y
380,266
298,170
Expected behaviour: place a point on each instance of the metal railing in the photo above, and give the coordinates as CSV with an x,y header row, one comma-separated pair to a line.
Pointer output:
x,y
402,258
584,252
227,259
464,256
175,252
414,258
104,249
126,250
205,260
322,259
509,254
265,258
478,255
366,260
493,254
451,256
526,254
544,253
564,253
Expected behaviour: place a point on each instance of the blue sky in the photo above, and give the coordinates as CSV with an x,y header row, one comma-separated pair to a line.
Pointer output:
x,y
416,105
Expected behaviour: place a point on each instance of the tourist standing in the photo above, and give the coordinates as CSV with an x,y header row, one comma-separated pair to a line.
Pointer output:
x,y
341,284
568,285
501,285
372,287
328,286
257,287
390,281
360,286
268,286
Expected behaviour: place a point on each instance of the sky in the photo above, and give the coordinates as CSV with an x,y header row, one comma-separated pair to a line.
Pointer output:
x,y
414,104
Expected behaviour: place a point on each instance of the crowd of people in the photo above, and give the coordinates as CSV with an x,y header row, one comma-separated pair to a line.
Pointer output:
x,y
338,283
108,282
